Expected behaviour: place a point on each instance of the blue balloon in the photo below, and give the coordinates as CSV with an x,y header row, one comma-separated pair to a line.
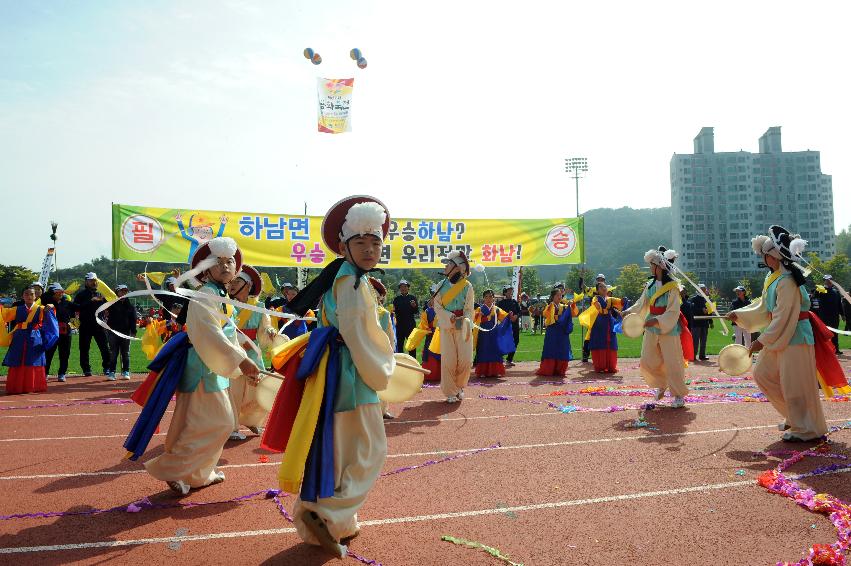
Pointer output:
x,y
308,53
355,54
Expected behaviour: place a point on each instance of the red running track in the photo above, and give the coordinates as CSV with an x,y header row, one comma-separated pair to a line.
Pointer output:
x,y
577,488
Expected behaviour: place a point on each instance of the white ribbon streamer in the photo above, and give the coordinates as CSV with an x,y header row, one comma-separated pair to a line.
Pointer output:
x,y
673,267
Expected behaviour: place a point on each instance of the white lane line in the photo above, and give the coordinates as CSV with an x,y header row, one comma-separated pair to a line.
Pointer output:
x,y
399,520
69,415
434,452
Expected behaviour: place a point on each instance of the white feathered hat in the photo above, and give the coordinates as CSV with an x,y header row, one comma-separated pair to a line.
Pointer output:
x,y
780,244
663,257
355,216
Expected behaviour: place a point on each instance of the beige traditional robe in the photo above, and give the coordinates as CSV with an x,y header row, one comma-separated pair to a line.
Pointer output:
x,y
662,354
202,420
456,344
785,372
360,444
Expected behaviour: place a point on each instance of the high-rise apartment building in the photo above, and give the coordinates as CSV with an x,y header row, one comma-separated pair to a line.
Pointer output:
x,y
720,200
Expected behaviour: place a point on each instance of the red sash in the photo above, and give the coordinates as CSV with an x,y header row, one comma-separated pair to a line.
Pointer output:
x,y
250,332
686,341
826,362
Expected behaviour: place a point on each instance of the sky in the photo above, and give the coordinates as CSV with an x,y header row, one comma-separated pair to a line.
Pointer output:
x,y
466,108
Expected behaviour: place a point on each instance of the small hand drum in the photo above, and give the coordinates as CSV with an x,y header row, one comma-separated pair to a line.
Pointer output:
x,y
266,392
633,325
733,359
404,383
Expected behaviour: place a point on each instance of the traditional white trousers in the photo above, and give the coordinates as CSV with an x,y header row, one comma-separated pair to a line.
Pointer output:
x,y
360,447
456,359
743,337
243,398
788,379
200,426
662,364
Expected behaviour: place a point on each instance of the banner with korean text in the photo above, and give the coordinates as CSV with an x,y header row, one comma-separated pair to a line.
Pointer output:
x,y
334,103
285,240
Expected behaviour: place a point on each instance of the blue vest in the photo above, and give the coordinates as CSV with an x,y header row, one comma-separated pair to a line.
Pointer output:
x,y
803,330
196,371
351,389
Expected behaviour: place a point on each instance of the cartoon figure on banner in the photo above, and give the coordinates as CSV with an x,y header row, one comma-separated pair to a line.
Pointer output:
x,y
200,231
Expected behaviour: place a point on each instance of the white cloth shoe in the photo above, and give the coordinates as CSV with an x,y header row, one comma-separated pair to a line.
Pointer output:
x,y
178,486
236,435
460,394
452,399
678,403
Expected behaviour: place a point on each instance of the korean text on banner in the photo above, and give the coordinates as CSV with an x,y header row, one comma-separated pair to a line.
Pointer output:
x,y
295,240
46,268
334,105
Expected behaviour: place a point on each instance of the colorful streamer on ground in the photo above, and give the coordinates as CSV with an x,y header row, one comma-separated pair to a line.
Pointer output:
x,y
837,510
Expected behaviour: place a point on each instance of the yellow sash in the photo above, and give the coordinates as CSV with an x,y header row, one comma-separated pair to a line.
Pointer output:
x,y
772,277
6,337
245,314
434,345
665,288
291,471
453,291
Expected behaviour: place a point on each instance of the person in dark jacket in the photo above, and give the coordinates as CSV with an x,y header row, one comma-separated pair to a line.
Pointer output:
x,y
509,305
170,304
86,302
686,309
407,311
700,327
64,309
742,300
827,304
121,317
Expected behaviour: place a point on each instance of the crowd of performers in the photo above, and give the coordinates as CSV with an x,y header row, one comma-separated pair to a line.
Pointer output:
x,y
337,347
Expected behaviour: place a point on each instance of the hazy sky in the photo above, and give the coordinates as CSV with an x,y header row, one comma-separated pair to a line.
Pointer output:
x,y
466,109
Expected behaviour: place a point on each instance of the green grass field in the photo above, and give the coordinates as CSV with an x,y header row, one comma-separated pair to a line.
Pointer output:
x,y
529,350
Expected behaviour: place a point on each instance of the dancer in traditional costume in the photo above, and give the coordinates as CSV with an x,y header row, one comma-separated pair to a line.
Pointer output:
x,y
795,348
427,334
603,341
35,331
256,335
667,341
327,416
495,339
558,322
203,417
453,306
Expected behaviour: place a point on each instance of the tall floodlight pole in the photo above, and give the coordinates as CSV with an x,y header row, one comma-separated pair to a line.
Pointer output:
x,y
575,167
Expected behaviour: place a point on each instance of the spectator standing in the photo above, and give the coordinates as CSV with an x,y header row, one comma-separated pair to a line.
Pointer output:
x,y
121,317
64,310
741,336
407,310
512,307
700,327
827,304
86,302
